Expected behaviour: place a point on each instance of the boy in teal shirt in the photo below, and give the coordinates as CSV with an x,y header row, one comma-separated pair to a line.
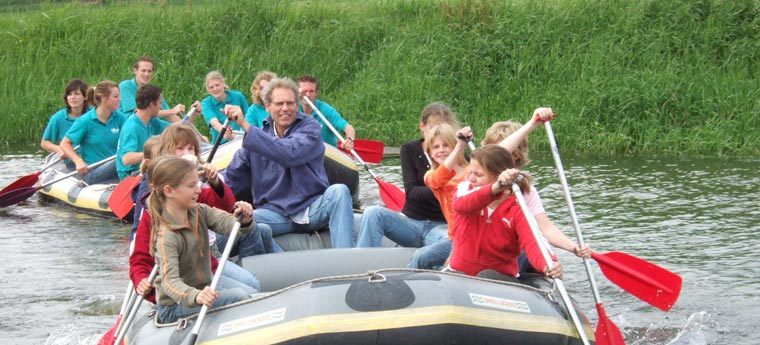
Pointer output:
x,y
137,129
309,87
143,70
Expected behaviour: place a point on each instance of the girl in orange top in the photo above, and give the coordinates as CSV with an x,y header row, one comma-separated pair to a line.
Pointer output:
x,y
448,170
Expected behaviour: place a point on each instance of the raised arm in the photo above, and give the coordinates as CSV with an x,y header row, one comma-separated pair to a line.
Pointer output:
x,y
540,115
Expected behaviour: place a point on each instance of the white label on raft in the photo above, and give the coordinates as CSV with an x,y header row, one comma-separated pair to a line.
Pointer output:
x,y
252,321
499,303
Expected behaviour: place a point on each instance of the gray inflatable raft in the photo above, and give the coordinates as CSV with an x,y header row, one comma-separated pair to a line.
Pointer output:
x,y
359,296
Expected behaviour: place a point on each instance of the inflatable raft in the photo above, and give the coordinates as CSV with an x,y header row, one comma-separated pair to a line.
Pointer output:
x,y
340,168
355,296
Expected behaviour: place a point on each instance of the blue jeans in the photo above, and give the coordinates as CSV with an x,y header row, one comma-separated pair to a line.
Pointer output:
x,y
104,173
332,209
431,256
235,276
258,241
379,221
171,313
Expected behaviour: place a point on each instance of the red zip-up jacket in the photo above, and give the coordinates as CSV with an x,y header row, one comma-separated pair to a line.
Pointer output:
x,y
141,262
482,242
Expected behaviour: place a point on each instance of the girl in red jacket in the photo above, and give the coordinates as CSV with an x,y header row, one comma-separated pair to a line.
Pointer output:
x,y
490,228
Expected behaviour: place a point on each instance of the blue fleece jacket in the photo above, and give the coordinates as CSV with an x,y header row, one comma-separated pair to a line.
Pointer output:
x,y
284,174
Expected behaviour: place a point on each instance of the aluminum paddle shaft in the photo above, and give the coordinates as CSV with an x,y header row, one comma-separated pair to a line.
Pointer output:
x,y
547,257
571,208
215,282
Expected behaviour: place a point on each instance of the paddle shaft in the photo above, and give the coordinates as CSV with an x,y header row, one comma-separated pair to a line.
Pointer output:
x,y
571,208
91,166
340,137
218,141
60,158
225,255
548,259
122,330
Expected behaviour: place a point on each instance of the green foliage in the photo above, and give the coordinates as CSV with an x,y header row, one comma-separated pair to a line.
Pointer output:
x,y
624,76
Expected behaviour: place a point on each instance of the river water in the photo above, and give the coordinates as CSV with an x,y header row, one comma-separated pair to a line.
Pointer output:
x,y
64,273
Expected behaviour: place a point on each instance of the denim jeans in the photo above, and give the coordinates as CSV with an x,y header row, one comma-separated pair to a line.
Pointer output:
x,y
235,276
332,209
171,313
379,221
431,256
104,173
258,241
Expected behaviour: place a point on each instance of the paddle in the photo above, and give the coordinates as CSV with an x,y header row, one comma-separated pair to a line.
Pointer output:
x,y
214,282
31,179
16,196
606,330
135,306
643,279
391,195
120,201
225,127
545,251
371,150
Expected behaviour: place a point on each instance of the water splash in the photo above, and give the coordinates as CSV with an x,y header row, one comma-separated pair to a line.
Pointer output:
x,y
69,335
691,333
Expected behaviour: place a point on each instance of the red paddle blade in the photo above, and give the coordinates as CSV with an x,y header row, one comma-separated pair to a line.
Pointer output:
x,y
16,196
392,196
371,151
110,336
607,333
120,200
23,182
643,279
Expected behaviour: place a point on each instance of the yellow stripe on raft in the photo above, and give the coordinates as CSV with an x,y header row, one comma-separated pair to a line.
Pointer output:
x,y
403,318
63,195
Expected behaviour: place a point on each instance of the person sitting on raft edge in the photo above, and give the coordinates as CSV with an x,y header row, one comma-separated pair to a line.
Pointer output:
x,y
282,164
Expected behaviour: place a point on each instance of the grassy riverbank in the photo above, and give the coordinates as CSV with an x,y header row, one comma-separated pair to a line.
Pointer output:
x,y
625,76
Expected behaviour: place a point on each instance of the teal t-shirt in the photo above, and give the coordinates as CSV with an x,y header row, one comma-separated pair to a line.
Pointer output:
x,y
128,93
97,140
256,115
133,136
333,117
212,109
58,125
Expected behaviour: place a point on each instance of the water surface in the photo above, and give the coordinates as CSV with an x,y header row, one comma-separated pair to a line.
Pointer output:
x,y
64,272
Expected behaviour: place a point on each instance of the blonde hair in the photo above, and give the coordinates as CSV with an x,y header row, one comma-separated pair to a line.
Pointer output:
x,y
501,130
263,75
177,135
448,134
164,171
495,159
99,92
214,75
149,151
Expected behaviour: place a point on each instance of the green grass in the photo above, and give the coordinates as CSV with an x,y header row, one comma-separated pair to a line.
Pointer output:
x,y
624,76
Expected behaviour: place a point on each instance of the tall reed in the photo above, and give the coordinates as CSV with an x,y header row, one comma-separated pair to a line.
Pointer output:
x,y
624,76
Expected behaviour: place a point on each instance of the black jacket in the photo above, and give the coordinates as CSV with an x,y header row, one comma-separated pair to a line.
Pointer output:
x,y
420,203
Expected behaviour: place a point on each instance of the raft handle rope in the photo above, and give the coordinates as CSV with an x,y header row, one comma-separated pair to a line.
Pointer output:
x,y
182,324
375,277
367,274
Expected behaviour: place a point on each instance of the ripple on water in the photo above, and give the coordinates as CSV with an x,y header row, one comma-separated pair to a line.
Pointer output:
x,y
695,216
